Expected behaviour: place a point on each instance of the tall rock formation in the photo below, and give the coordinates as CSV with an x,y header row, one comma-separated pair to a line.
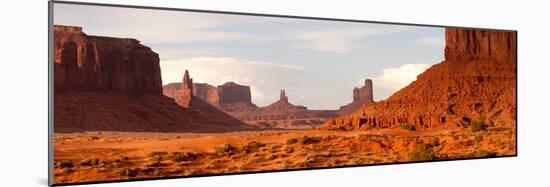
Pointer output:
x,y
183,98
361,96
477,81
229,97
96,62
114,84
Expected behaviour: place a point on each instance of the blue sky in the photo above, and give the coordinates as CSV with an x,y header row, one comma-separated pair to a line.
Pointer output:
x,y
317,62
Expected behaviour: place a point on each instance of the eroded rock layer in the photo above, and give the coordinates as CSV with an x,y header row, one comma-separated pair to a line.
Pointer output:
x,y
229,97
114,84
477,81
96,62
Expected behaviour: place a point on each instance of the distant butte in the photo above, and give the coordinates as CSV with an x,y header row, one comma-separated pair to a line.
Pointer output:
x,y
229,97
361,96
283,104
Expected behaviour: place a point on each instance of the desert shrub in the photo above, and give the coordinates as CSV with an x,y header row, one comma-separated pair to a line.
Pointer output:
x,y
288,149
422,152
183,156
273,148
310,160
154,163
224,149
232,168
270,156
332,162
175,170
210,166
157,173
484,153
93,138
146,170
435,142
67,170
157,153
116,164
477,125
255,144
407,126
286,163
129,172
90,162
65,164
292,141
478,138
251,146
309,140
101,169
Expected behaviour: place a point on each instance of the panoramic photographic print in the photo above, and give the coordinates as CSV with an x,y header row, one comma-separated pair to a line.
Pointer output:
x,y
148,94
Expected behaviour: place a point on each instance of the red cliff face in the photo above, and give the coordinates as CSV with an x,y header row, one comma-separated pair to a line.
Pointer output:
x,y
114,84
477,80
231,92
95,62
230,97
480,45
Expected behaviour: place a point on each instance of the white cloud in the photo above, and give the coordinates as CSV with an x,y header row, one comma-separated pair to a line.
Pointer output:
x,y
432,41
264,78
338,40
397,78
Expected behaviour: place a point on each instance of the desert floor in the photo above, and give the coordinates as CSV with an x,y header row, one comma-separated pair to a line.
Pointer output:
x,y
104,156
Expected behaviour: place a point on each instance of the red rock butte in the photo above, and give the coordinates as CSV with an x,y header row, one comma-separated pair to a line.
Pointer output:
x,y
230,97
477,80
96,62
114,84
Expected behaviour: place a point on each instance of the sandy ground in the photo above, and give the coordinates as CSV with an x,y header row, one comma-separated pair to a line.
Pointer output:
x,y
104,156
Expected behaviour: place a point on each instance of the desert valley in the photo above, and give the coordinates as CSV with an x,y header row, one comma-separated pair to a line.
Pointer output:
x,y
115,118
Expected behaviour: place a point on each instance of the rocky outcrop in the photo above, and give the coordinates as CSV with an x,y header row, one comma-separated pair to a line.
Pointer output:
x,y
231,92
361,96
477,81
95,62
229,97
283,114
206,92
283,104
480,45
185,95
114,84
237,103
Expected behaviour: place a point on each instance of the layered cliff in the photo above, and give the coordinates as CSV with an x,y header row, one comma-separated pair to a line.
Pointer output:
x,y
114,84
477,81
96,62
229,97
